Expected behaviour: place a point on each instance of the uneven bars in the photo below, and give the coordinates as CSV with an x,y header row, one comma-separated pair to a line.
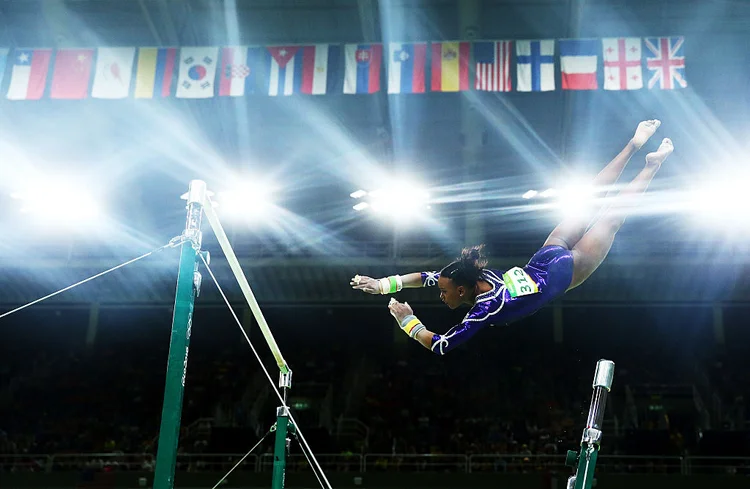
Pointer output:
x,y
234,264
585,460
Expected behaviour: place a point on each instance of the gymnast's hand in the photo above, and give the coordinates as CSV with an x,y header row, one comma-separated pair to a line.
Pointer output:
x,y
365,284
399,310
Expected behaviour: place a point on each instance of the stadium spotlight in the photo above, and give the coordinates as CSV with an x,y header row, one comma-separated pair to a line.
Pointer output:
x,y
44,200
249,201
394,202
571,199
574,198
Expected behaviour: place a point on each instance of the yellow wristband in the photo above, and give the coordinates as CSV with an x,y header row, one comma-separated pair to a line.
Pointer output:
x,y
411,325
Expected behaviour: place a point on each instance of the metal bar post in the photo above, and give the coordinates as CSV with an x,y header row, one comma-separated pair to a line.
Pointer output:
x,y
284,422
283,427
188,286
585,460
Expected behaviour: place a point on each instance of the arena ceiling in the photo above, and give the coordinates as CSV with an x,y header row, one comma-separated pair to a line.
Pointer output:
x,y
319,145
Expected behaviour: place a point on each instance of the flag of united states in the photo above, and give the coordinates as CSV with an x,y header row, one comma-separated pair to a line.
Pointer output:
x,y
493,66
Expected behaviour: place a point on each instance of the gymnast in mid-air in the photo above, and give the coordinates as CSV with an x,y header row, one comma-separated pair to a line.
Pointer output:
x,y
569,256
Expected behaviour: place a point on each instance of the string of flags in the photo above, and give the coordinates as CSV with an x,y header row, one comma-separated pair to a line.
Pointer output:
x,y
629,63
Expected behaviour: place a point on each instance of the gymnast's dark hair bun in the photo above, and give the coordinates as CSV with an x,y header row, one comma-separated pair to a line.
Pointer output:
x,y
474,257
467,269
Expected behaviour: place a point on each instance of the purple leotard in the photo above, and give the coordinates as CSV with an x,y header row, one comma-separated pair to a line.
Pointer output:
x,y
551,268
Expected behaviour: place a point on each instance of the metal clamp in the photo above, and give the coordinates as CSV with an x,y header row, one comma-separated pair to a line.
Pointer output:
x,y
605,372
285,380
197,280
591,435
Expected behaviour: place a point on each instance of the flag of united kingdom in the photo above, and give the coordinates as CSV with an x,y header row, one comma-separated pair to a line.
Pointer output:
x,y
667,63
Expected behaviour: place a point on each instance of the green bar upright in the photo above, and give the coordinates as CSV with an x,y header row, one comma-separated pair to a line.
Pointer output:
x,y
280,449
283,428
188,283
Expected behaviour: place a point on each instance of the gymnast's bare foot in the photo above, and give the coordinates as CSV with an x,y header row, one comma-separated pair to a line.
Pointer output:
x,y
656,158
644,131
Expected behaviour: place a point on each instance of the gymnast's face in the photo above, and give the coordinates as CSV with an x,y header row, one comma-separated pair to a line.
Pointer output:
x,y
451,294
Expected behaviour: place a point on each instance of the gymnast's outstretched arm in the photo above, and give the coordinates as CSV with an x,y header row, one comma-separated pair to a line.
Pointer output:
x,y
410,324
437,343
393,283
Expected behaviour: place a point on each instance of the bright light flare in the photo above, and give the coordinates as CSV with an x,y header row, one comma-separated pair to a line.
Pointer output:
x,y
396,202
575,199
249,201
721,203
58,204
400,201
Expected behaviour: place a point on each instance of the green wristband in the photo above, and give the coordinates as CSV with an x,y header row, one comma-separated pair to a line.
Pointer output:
x,y
393,284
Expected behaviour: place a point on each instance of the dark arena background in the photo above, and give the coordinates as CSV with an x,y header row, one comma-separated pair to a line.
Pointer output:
x,y
362,137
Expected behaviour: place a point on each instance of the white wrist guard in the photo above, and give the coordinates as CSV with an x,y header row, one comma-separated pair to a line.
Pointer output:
x,y
390,285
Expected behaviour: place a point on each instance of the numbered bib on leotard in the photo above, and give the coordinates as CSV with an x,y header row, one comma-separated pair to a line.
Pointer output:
x,y
518,282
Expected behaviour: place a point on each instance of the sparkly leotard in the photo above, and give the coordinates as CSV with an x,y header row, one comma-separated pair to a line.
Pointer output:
x,y
551,268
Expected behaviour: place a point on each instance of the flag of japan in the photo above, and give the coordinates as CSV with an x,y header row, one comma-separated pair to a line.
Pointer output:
x,y
114,69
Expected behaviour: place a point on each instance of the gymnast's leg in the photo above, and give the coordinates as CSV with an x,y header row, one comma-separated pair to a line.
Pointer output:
x,y
571,229
593,247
